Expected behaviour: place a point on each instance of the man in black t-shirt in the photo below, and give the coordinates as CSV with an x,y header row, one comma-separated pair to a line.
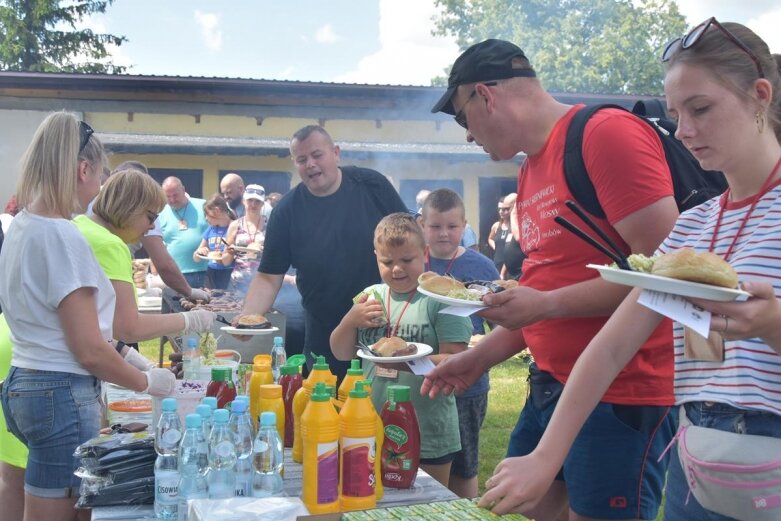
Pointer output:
x,y
324,228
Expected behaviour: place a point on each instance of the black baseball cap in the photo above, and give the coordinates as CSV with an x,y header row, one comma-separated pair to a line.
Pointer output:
x,y
484,61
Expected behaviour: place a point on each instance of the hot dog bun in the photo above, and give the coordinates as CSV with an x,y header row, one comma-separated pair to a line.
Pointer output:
x,y
686,264
389,346
439,284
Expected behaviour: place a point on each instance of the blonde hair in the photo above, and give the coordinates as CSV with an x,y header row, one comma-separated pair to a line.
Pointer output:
x,y
50,165
125,195
398,229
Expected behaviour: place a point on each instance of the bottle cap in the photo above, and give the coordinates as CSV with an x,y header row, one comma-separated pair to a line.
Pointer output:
x,y
398,393
268,419
204,411
261,367
296,360
320,394
271,391
355,368
242,398
192,342
278,341
289,369
211,401
221,416
359,391
261,358
321,364
169,405
221,374
193,421
331,390
238,406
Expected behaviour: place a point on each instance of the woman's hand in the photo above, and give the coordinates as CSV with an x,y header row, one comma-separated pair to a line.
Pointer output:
x,y
759,316
518,484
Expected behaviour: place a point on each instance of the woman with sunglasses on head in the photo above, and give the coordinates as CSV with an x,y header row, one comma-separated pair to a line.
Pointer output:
x,y
59,306
248,231
722,85
124,210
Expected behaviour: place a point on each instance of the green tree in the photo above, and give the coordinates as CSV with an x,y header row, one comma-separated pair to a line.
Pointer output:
x,y
596,46
41,36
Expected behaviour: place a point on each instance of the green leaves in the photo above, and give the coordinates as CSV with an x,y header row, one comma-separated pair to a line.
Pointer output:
x,y
594,46
41,36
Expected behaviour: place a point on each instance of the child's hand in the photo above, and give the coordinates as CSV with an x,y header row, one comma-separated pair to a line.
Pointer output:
x,y
364,314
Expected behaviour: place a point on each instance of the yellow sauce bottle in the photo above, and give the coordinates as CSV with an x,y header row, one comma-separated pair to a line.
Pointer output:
x,y
354,374
357,451
261,375
320,438
271,400
320,373
378,487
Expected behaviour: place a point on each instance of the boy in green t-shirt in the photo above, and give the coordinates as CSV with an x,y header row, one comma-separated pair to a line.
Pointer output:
x,y
403,312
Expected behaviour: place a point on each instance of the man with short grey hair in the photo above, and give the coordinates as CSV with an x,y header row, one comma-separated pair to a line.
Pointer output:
x,y
182,222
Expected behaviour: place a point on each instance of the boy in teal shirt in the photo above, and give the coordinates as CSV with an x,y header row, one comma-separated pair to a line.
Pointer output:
x,y
403,312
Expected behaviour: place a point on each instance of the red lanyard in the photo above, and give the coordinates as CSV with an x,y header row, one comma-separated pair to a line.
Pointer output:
x,y
246,229
396,329
725,198
449,264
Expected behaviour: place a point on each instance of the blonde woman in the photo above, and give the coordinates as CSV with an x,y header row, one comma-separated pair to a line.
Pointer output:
x,y
248,231
59,306
124,210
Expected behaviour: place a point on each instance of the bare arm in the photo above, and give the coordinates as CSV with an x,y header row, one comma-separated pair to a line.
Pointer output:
x,y
345,336
82,334
446,349
492,235
261,293
165,265
132,326
229,254
202,249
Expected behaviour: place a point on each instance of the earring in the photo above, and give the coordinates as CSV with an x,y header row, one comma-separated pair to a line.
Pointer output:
x,y
760,119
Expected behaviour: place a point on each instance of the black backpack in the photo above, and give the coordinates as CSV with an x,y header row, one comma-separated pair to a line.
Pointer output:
x,y
692,184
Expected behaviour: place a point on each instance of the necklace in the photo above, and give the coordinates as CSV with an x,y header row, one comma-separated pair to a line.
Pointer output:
x,y
395,330
449,264
182,215
723,203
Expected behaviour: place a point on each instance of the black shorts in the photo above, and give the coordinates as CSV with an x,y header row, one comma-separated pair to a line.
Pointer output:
x,y
471,413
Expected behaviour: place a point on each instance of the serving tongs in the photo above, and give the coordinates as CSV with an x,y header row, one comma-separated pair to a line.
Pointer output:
x,y
366,349
614,252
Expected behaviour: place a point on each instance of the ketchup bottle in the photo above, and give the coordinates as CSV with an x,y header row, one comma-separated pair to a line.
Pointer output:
x,y
291,381
221,386
401,446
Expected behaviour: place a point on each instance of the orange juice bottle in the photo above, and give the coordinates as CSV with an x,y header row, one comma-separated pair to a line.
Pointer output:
x,y
358,451
271,400
378,487
354,374
261,375
320,373
320,435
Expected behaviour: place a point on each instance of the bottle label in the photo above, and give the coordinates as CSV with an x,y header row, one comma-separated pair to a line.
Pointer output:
x,y
171,437
396,434
166,488
358,456
327,472
225,449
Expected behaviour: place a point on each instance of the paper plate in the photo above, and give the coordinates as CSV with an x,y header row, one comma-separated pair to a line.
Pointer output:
x,y
423,350
667,285
236,331
247,250
452,301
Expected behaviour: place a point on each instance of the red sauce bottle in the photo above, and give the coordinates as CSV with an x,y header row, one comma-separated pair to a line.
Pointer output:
x,y
221,386
401,447
291,380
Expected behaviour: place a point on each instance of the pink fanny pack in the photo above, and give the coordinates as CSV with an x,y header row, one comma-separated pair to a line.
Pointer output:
x,y
736,475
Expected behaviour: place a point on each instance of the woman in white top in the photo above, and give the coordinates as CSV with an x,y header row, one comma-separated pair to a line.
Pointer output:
x,y
59,306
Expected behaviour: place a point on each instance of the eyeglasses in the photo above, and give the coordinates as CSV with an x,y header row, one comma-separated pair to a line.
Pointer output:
x,y
690,39
503,209
85,131
460,117
152,216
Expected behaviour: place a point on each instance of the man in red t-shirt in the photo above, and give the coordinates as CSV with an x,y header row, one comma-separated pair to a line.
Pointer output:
x,y
611,471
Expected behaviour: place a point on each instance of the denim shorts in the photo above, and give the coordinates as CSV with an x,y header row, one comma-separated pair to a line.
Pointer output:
x,y
52,413
679,504
471,413
611,470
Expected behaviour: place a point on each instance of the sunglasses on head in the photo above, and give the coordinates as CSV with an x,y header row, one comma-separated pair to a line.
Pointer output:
x,y
85,131
255,191
691,38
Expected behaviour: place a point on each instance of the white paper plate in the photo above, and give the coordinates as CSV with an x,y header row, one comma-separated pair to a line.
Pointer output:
x,y
247,250
667,285
237,331
452,301
206,258
150,302
423,350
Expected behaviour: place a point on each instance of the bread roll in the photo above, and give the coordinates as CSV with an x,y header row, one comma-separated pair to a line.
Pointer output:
x,y
438,284
387,346
686,264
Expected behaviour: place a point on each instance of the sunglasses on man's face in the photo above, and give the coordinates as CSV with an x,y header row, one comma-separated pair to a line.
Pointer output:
x,y
460,116
690,39
85,131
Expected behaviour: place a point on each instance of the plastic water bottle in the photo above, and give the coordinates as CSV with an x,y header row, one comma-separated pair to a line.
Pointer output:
x,y
267,458
191,359
222,458
168,433
278,357
241,426
193,464
205,412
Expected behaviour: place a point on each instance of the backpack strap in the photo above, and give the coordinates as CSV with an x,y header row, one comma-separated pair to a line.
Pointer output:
x,y
650,108
575,172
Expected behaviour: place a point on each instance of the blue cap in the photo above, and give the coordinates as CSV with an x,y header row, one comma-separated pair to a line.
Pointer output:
x,y
169,405
193,421
211,401
192,341
268,418
204,410
221,416
241,398
239,406
278,340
